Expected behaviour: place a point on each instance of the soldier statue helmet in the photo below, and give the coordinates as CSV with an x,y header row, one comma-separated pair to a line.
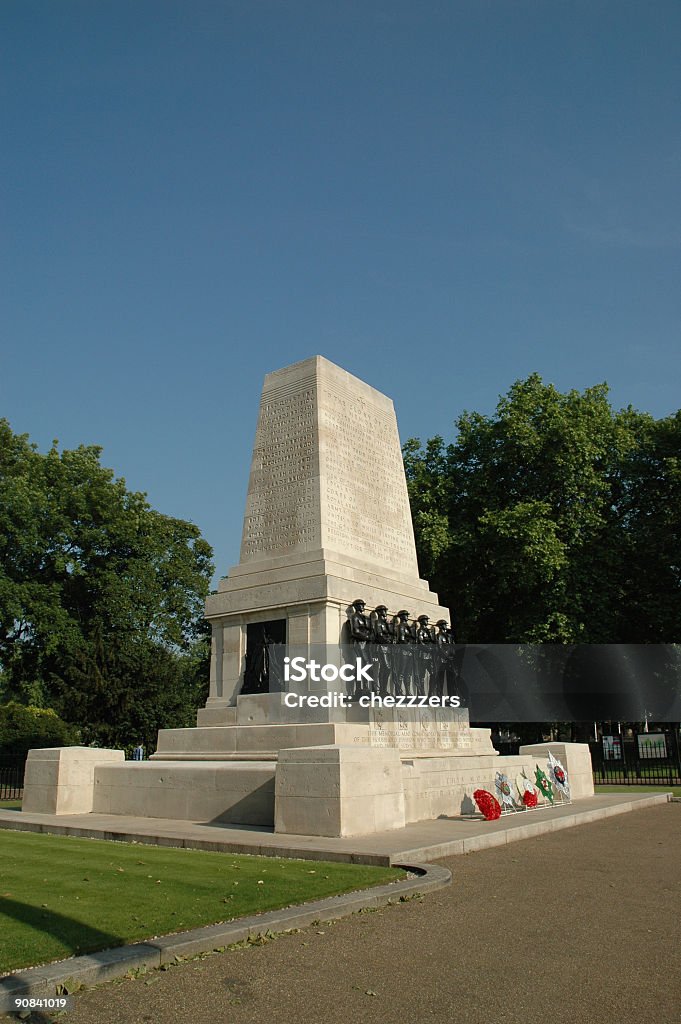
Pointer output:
x,y
423,618
404,614
358,602
443,623
381,608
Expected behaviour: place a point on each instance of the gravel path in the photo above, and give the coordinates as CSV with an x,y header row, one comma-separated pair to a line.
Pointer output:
x,y
578,926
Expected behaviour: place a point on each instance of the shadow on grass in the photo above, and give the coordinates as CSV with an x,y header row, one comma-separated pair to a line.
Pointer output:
x,y
75,937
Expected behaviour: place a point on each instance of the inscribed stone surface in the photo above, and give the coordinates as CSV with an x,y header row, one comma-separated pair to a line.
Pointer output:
x,y
327,471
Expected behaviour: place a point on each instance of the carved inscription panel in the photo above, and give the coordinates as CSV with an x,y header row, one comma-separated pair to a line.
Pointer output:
x,y
282,508
365,507
327,471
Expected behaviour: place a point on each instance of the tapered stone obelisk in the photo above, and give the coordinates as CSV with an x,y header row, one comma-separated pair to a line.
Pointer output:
x,y
327,521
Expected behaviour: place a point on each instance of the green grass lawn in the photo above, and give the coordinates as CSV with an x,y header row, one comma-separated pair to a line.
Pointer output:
x,y
10,805
61,896
676,790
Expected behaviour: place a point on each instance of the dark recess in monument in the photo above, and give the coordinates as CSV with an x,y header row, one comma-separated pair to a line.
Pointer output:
x,y
259,637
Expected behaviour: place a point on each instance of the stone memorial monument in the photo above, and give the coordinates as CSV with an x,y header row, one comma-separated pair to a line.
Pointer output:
x,y
327,562
327,518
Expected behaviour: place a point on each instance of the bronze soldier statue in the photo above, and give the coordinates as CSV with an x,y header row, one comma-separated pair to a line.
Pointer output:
x,y
444,641
404,641
360,634
424,656
382,639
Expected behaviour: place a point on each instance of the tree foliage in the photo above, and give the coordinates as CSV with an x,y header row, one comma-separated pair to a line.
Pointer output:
x,y
24,727
101,596
555,520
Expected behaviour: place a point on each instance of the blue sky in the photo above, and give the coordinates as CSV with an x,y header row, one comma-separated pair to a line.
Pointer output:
x,y
440,197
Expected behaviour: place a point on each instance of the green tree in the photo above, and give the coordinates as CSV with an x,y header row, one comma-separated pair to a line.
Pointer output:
x,y
24,727
101,596
555,520
649,508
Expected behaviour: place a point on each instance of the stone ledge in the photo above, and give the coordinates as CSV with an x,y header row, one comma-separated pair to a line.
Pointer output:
x,y
416,843
500,835
83,970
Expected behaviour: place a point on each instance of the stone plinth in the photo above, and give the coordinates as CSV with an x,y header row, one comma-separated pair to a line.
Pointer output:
x,y
61,780
575,759
239,792
338,791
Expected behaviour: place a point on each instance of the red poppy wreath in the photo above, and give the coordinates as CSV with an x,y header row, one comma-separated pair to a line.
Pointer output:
x,y
487,804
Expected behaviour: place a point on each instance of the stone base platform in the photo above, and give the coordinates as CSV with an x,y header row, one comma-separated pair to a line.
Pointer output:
x,y
231,741
348,771
262,724
416,843
326,790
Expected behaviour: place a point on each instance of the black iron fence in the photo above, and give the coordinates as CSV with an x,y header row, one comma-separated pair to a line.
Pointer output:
x,y
645,759
12,777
